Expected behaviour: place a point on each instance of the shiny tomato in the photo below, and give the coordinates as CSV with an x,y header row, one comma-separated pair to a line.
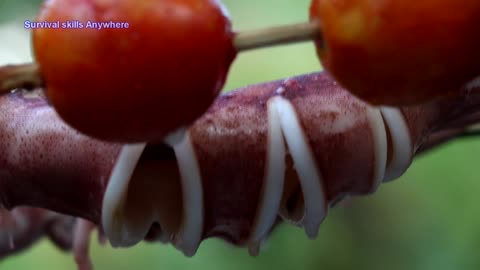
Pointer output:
x,y
130,71
399,52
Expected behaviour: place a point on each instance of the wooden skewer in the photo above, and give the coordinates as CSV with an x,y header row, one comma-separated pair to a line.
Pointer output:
x,y
28,75
279,35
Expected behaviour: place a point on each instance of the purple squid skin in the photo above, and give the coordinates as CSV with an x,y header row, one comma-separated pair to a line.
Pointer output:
x,y
45,163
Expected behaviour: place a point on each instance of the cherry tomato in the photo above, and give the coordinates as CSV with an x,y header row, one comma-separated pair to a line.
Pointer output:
x,y
131,71
399,52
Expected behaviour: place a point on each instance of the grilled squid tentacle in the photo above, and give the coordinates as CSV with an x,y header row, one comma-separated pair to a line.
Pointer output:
x,y
309,175
402,147
190,233
272,187
114,222
379,146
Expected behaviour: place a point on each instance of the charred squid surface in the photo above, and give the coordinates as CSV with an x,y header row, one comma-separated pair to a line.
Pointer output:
x,y
52,165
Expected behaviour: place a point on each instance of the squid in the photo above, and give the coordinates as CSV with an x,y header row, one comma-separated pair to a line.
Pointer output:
x,y
282,151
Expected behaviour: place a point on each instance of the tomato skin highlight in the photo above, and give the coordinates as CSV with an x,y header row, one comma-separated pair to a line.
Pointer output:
x,y
399,52
138,83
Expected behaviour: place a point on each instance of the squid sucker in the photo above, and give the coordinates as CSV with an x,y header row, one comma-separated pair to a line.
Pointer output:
x,y
286,150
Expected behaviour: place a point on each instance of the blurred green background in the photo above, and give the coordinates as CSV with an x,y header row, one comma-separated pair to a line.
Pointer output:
x,y
428,219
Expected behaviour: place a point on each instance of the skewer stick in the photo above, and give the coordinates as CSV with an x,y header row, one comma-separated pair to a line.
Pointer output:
x,y
280,35
28,76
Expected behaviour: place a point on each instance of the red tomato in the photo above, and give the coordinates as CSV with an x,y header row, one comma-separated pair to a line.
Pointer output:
x,y
135,82
399,52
